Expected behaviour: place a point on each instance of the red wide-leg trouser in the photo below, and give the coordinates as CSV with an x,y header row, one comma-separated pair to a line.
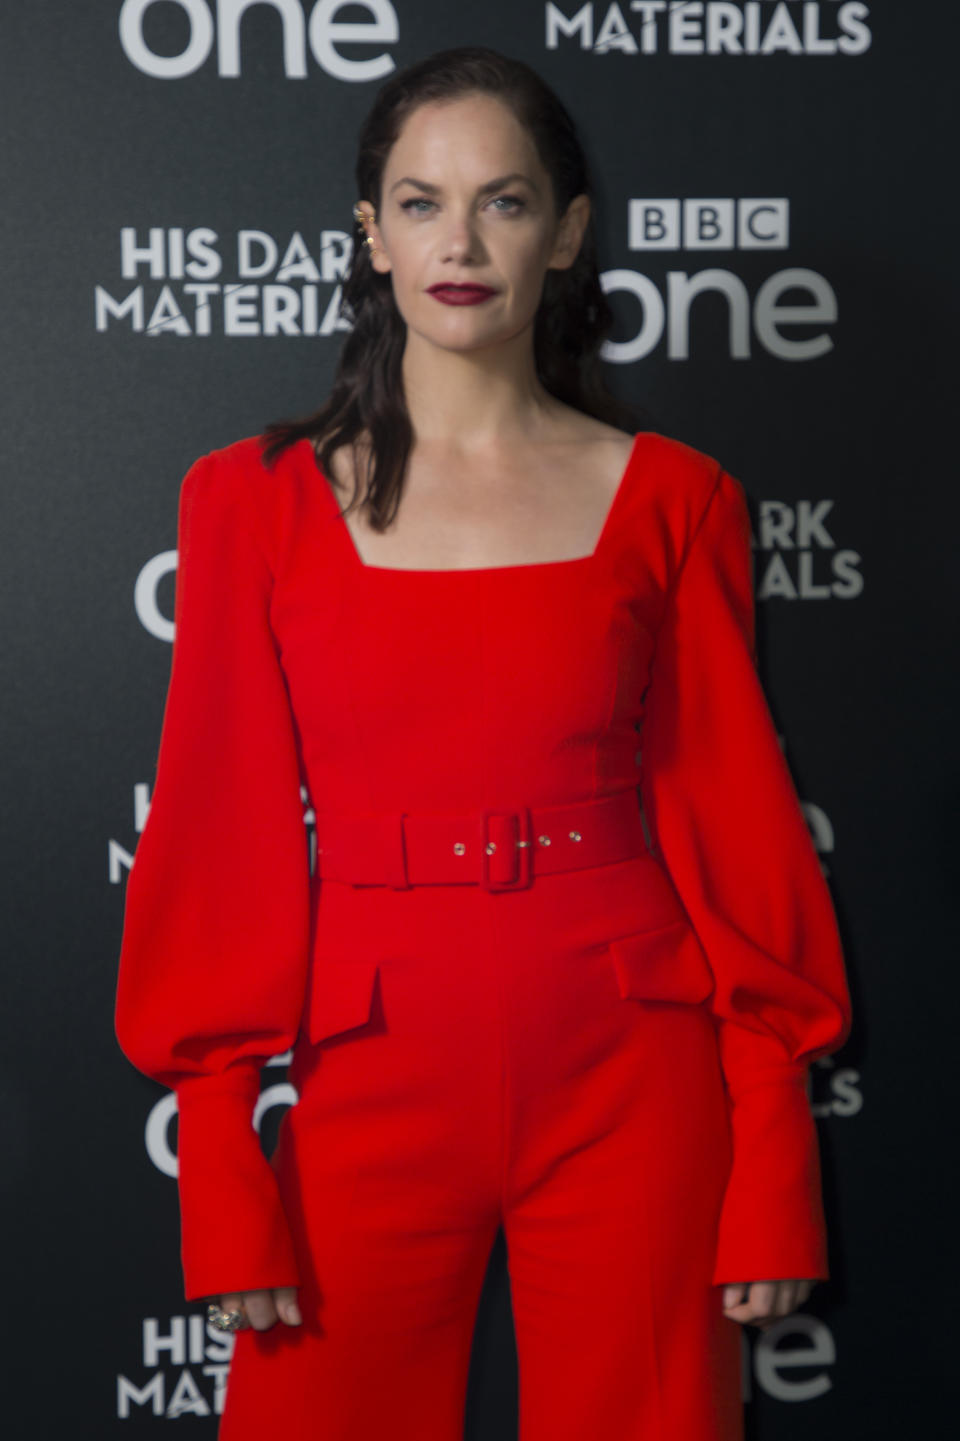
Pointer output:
x,y
502,1078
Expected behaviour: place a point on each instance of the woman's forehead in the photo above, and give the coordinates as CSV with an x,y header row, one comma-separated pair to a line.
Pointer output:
x,y
491,122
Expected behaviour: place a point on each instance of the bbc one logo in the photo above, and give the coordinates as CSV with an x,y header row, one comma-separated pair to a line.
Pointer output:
x,y
789,300
708,224
214,26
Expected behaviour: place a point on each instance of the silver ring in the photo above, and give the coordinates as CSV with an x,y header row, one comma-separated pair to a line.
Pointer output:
x,y
226,1320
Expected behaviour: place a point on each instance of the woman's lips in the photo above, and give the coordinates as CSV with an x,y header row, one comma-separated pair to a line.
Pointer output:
x,y
461,294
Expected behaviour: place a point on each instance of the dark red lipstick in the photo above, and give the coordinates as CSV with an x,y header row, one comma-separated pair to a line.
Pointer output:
x,y
461,294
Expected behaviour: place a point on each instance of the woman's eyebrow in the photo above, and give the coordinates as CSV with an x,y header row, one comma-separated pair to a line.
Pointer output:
x,y
481,189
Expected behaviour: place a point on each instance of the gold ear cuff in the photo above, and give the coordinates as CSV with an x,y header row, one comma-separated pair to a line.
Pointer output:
x,y
360,219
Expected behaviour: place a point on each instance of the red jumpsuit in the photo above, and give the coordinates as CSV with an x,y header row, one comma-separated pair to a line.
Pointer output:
x,y
610,1062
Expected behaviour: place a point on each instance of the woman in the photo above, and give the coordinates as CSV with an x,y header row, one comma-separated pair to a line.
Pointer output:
x,y
507,1005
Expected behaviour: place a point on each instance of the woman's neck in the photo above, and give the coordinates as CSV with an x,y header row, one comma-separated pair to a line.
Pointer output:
x,y
471,401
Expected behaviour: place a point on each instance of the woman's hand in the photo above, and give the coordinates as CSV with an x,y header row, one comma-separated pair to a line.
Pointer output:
x,y
263,1308
763,1303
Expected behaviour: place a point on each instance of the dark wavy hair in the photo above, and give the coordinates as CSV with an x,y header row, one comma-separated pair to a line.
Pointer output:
x,y
571,321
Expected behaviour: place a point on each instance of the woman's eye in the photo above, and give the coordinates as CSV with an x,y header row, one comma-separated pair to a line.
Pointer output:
x,y
513,201
506,204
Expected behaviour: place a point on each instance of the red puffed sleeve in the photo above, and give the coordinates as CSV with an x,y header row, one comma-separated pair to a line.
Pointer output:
x,y
726,818
215,936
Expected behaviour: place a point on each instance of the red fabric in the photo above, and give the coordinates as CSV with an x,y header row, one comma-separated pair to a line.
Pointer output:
x,y
724,810
294,663
500,1078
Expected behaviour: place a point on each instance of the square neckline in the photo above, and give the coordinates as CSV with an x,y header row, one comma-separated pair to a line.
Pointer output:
x,y
531,565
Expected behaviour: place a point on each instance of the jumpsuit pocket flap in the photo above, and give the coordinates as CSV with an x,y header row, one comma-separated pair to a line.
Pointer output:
x,y
666,963
341,995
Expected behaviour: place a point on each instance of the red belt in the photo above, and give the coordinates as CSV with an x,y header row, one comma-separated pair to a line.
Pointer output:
x,y
500,850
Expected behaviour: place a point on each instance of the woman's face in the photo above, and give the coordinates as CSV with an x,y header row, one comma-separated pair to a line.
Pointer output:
x,y
466,200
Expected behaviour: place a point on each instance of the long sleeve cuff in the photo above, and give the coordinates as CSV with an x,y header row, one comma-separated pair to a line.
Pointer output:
x,y
234,1231
772,1224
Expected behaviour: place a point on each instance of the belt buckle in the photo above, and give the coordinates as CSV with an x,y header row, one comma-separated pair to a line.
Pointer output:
x,y
522,844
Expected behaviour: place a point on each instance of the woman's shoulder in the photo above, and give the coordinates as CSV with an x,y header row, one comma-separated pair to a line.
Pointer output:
x,y
689,482
679,489
244,460
682,466
234,483
245,464
681,470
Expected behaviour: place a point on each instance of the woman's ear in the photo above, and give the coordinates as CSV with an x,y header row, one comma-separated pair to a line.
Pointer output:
x,y
365,214
570,233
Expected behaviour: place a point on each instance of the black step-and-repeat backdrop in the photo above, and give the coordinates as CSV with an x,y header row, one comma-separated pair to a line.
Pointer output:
x,y
774,203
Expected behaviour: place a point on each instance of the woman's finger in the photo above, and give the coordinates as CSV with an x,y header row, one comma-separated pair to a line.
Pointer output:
x,y
232,1302
285,1300
260,1309
763,1303
755,1309
786,1298
762,1297
734,1294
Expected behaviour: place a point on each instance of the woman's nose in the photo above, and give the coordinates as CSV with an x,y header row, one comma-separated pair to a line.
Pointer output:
x,y
461,240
